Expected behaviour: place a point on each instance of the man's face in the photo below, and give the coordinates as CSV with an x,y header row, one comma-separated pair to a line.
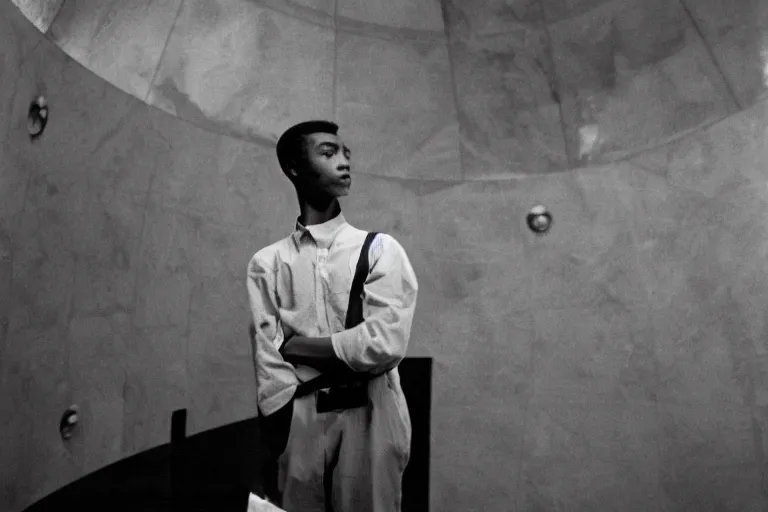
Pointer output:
x,y
327,169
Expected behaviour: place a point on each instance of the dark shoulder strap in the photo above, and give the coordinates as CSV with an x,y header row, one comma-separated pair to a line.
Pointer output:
x,y
355,306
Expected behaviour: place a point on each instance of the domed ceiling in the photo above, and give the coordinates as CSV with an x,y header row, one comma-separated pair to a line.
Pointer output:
x,y
510,86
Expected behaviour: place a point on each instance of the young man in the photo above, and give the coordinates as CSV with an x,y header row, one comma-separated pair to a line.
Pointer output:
x,y
342,448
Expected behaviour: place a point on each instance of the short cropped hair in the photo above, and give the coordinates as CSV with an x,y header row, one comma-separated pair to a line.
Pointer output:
x,y
292,144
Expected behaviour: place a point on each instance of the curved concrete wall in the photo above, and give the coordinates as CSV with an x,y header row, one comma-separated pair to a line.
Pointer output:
x,y
616,363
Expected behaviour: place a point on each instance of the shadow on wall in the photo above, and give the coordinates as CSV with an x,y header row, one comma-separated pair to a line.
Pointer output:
x,y
211,471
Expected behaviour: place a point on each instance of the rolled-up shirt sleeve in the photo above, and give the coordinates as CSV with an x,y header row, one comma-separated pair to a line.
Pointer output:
x,y
276,379
390,290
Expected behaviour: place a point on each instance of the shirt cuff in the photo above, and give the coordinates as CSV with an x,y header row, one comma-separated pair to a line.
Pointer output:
x,y
277,401
341,340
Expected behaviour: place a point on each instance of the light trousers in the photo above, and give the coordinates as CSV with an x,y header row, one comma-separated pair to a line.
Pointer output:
x,y
351,460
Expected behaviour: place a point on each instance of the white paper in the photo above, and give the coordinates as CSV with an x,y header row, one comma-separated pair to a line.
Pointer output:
x,y
257,504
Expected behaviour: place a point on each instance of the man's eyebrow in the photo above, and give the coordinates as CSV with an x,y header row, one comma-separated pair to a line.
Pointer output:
x,y
334,146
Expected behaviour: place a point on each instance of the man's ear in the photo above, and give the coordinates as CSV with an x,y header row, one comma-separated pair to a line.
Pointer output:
x,y
293,173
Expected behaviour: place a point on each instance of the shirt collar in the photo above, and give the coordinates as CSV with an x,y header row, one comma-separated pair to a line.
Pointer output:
x,y
324,233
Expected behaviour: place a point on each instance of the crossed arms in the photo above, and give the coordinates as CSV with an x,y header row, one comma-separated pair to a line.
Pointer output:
x,y
376,345
315,352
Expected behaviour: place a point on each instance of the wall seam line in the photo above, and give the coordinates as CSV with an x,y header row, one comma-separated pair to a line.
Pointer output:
x,y
334,93
454,89
162,54
712,57
55,17
571,161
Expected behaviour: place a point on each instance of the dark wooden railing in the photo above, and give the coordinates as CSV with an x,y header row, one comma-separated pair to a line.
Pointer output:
x,y
213,470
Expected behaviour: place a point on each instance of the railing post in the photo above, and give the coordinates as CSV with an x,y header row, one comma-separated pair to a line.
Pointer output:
x,y
178,459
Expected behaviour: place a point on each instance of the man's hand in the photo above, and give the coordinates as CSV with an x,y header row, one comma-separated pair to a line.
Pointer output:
x,y
284,346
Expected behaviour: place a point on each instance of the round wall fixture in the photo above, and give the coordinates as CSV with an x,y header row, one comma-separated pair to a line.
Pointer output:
x,y
539,219
37,117
68,422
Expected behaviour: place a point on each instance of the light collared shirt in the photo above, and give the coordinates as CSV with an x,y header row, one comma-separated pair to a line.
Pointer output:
x,y
300,285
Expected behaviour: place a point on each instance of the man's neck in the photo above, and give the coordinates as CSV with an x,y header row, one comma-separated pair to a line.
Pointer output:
x,y
318,214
